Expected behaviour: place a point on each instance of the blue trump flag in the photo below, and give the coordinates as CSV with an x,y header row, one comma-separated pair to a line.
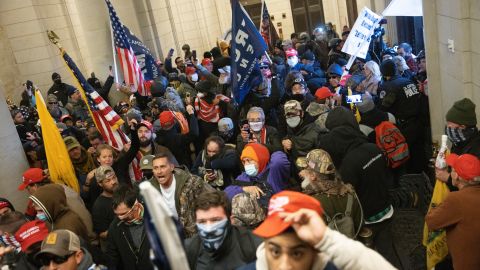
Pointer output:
x,y
247,47
144,57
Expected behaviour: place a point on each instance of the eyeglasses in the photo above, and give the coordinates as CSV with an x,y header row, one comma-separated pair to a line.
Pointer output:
x,y
46,259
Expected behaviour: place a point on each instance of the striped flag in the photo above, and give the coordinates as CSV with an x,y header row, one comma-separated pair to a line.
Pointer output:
x,y
267,29
132,72
105,118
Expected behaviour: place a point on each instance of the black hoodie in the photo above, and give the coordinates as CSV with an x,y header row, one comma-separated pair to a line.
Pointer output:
x,y
360,163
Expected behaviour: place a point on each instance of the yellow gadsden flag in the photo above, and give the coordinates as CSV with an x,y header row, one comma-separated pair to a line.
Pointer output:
x,y
59,164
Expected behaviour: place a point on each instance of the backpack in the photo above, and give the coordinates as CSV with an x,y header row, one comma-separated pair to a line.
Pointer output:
x,y
343,222
392,143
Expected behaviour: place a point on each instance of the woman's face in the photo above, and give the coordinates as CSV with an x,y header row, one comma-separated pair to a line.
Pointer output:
x,y
105,157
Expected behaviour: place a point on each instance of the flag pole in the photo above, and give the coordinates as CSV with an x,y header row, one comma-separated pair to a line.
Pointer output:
x,y
114,54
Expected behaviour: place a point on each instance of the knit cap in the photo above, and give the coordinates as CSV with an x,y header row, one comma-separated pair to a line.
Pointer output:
x,y
463,113
388,68
257,152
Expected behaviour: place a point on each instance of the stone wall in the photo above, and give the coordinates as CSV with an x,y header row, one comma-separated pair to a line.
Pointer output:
x,y
451,75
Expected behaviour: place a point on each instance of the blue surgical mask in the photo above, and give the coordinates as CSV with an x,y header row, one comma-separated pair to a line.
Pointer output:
x,y
42,216
213,235
251,170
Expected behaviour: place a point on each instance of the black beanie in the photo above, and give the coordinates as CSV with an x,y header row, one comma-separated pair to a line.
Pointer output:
x,y
463,113
388,68
204,86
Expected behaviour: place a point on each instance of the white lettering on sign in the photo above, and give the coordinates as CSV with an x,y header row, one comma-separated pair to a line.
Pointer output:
x,y
410,90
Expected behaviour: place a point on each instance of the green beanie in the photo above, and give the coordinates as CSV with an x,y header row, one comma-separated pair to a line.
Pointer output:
x,y
463,113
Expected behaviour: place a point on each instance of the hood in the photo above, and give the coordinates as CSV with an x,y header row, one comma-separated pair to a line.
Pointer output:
x,y
87,260
341,116
52,199
320,261
344,134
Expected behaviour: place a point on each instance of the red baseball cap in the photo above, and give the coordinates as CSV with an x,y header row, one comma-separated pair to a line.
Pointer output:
x,y
467,166
285,202
146,124
30,233
167,119
206,61
31,176
323,93
291,52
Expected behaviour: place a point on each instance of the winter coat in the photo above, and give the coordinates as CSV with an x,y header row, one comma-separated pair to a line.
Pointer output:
x,y
121,251
53,201
304,137
371,119
359,163
335,251
401,98
225,163
370,84
237,249
77,109
187,189
61,92
272,142
458,214
278,170
178,143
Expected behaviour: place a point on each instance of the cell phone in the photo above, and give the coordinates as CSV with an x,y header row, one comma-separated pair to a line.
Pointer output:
x,y
194,54
354,99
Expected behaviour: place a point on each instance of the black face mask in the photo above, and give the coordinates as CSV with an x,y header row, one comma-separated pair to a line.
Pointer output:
x,y
298,97
57,81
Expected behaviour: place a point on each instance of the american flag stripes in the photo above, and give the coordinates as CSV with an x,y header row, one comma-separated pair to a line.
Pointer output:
x,y
132,72
105,118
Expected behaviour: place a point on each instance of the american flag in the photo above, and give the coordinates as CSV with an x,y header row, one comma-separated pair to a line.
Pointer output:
x,y
105,118
132,72
267,29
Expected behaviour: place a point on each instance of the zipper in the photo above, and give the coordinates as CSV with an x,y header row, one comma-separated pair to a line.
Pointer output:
x,y
130,247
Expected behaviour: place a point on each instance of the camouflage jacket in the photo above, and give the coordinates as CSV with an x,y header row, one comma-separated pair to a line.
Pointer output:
x,y
187,189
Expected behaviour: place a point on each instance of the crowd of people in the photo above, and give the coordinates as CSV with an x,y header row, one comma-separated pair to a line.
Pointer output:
x,y
293,178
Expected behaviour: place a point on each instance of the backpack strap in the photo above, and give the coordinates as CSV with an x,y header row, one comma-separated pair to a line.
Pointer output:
x,y
348,210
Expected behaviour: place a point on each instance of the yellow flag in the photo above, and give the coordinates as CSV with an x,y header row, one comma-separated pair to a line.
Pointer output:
x,y
354,108
436,241
59,164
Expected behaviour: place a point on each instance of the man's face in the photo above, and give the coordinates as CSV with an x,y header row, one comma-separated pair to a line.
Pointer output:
x,y
401,52
96,142
287,251
247,161
212,149
298,89
422,65
56,263
76,96
180,63
75,153
110,183
125,213
32,188
145,135
163,171
5,211
334,80
209,67
210,216
18,119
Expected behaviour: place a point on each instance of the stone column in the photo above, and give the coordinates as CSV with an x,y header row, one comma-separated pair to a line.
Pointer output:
x,y
13,161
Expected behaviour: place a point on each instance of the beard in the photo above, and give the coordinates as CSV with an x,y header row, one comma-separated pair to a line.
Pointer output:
x,y
144,142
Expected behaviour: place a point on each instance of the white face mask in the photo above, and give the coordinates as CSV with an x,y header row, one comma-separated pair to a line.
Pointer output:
x,y
292,61
224,79
256,126
194,77
294,121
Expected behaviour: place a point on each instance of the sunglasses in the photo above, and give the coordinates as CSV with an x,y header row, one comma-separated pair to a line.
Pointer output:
x,y
52,103
45,260
264,67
